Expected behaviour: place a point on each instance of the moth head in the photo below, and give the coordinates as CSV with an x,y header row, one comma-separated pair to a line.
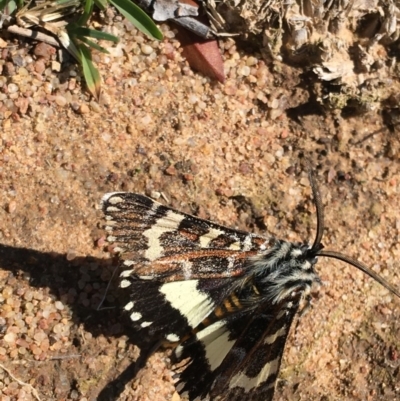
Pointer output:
x,y
285,271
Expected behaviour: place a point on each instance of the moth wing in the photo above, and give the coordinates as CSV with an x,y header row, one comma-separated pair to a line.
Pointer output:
x,y
170,311
238,358
157,242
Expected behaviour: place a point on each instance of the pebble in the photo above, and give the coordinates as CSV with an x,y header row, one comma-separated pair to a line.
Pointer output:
x,y
146,49
155,195
84,109
44,50
60,100
10,338
59,305
12,88
12,206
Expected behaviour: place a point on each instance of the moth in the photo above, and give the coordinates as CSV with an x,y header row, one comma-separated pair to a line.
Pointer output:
x,y
224,299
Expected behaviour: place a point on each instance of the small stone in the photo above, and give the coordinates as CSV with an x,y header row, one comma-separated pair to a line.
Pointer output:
x,y
22,103
84,109
8,69
251,61
171,170
245,168
59,305
39,66
48,88
95,107
244,71
146,49
60,100
19,60
12,88
188,177
101,242
56,66
155,195
12,206
44,50
40,336
10,338
58,328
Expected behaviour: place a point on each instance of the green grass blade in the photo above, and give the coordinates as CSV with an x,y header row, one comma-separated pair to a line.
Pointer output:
x,y
94,45
3,4
101,4
69,3
8,6
69,44
90,72
87,12
137,17
80,32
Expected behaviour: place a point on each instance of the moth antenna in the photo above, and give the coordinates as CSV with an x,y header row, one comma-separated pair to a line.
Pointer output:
x,y
362,267
317,246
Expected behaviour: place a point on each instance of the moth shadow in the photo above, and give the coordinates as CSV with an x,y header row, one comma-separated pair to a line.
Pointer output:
x,y
78,283
81,284
114,388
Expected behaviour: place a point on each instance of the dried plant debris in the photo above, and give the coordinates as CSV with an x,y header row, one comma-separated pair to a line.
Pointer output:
x,y
346,43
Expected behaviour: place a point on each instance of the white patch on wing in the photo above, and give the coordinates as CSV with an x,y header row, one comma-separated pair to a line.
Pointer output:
x,y
126,273
249,383
112,198
172,337
112,209
273,337
211,235
146,324
170,222
136,316
188,300
178,351
125,283
247,243
146,277
129,305
215,339
235,246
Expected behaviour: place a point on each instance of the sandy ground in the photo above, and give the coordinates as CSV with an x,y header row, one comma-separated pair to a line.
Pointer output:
x,y
221,151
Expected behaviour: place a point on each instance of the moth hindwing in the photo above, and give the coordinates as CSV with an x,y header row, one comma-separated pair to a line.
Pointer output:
x,y
224,298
